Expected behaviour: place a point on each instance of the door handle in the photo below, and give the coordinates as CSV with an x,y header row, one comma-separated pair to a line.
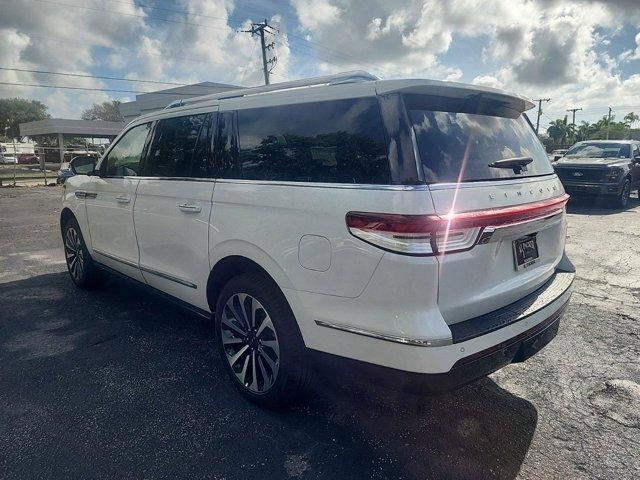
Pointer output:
x,y
190,208
123,199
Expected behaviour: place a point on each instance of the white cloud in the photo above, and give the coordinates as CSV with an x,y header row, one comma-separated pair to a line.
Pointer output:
x,y
537,47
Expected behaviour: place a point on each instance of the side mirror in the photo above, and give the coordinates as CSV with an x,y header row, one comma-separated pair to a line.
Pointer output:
x,y
83,165
636,159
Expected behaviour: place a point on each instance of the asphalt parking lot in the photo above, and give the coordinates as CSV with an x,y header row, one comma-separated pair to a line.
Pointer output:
x,y
117,383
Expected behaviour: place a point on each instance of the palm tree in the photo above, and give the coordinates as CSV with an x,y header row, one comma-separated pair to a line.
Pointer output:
x,y
558,130
584,130
630,118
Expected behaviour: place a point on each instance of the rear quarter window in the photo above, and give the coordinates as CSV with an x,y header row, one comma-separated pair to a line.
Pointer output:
x,y
340,141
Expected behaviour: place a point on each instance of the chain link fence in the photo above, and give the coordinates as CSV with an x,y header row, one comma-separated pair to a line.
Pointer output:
x,y
43,167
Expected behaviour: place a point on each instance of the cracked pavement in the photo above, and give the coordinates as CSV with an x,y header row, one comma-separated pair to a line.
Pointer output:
x,y
119,383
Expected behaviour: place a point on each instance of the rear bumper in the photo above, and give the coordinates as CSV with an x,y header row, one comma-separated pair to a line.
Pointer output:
x,y
470,349
464,371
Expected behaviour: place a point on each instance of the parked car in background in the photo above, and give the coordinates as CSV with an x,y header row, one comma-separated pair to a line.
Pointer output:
x,y
8,158
557,154
20,152
69,154
28,158
81,165
412,227
607,168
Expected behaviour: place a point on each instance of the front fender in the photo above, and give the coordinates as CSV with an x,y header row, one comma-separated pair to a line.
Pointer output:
x,y
77,205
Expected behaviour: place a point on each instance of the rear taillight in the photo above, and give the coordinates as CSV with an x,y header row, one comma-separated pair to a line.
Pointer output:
x,y
436,234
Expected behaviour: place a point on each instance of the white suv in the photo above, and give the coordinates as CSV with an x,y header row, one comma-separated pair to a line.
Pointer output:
x,y
412,225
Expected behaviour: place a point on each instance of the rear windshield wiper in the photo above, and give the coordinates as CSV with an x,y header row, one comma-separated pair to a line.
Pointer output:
x,y
517,164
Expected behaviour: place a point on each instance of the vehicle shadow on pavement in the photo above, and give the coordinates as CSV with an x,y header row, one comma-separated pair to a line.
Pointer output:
x,y
598,206
120,383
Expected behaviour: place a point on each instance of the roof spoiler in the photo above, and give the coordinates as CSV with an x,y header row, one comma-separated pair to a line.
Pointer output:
x,y
455,90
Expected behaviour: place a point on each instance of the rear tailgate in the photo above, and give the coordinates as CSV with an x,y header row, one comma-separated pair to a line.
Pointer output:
x,y
485,278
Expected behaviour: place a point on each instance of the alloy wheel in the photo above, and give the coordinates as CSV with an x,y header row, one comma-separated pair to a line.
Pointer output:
x,y
74,253
250,342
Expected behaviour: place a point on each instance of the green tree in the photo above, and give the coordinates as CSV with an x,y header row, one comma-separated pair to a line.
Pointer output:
x,y
558,130
14,111
631,118
109,111
584,131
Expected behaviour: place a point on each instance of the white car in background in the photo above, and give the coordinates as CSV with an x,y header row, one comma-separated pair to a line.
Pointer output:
x,y
8,158
412,227
557,154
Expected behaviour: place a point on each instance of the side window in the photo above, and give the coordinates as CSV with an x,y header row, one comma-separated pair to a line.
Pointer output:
x,y
225,150
173,147
124,157
202,165
339,141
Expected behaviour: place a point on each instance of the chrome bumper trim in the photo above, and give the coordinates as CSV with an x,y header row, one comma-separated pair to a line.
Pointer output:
x,y
416,342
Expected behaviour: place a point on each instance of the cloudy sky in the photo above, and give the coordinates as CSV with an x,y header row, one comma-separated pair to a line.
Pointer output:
x,y
580,53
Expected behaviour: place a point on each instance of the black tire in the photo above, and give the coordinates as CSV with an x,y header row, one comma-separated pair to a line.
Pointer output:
x,y
273,370
622,200
82,270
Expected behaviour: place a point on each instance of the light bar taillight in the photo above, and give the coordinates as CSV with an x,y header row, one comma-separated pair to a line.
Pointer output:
x,y
434,234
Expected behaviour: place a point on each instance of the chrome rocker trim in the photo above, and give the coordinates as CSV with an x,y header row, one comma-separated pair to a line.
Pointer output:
x,y
147,269
168,277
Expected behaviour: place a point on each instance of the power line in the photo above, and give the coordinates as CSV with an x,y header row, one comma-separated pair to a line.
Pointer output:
x,y
258,29
149,17
334,53
573,120
182,58
231,19
540,100
91,89
66,74
172,10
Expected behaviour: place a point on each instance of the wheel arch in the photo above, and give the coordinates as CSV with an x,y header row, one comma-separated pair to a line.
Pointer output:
x,y
229,267
65,215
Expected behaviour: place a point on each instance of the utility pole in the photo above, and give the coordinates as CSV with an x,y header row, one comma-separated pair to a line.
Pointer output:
x,y
259,29
573,121
608,123
540,100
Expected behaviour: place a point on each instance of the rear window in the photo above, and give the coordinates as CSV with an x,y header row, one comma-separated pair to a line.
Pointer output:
x,y
339,141
600,150
458,140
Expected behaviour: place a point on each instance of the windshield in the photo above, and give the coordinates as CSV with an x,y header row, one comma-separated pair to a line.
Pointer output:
x,y
456,145
600,150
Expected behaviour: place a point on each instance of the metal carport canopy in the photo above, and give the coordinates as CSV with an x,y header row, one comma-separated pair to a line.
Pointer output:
x,y
55,126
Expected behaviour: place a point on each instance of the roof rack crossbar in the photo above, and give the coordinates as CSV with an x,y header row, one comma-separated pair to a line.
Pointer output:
x,y
337,79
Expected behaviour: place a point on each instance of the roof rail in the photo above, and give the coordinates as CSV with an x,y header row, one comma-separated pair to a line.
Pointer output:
x,y
337,79
174,104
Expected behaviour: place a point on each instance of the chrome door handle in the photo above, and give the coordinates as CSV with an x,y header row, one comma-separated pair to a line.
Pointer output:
x,y
123,199
190,208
